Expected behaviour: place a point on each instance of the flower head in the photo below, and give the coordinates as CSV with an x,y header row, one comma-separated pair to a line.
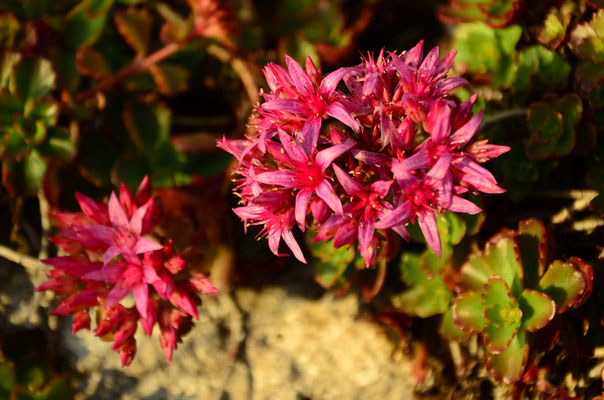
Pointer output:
x,y
109,254
388,149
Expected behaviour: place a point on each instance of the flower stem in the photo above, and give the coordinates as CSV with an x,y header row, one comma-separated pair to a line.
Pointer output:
x,y
502,116
24,260
137,65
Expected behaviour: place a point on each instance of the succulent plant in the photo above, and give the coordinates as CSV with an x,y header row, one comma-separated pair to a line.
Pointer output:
x,y
511,289
26,372
497,13
486,53
558,19
552,122
587,42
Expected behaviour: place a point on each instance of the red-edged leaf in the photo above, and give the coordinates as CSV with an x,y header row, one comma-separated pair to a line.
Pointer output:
x,y
537,309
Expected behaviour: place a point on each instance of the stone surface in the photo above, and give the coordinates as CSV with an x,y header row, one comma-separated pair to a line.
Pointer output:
x,y
267,343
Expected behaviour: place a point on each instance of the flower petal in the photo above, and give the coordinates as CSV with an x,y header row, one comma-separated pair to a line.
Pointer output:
x,y
294,106
325,191
144,245
288,237
116,212
427,223
339,112
141,298
351,186
286,179
302,200
331,80
459,204
398,216
463,135
326,157
301,81
309,135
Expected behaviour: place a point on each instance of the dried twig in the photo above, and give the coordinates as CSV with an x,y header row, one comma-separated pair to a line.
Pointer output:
x,y
502,116
24,260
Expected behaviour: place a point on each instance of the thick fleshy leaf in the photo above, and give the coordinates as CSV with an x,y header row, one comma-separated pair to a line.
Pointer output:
x,y
537,309
503,260
564,283
170,78
80,29
24,178
509,365
498,338
468,312
148,124
425,296
533,248
92,63
33,78
449,331
135,27
497,292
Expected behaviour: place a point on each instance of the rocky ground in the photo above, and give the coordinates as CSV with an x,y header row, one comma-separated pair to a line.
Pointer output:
x,y
288,340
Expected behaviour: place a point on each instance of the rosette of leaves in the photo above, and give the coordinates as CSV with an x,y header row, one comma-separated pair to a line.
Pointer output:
x,y
511,290
496,13
486,53
541,69
424,273
28,118
553,31
553,123
27,374
587,42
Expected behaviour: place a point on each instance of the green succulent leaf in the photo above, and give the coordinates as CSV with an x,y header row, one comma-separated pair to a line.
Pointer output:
x,y
468,312
130,168
509,364
533,246
449,331
96,159
564,283
14,146
498,338
554,29
148,124
537,309
7,378
501,259
95,7
545,123
45,110
80,29
58,145
433,265
497,292
588,76
32,131
10,105
542,69
32,78
7,61
24,178
92,63
426,296
587,39
170,78
487,51
135,27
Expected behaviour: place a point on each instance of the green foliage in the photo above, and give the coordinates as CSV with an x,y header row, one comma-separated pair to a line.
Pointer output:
x,y
26,374
496,13
487,52
540,69
333,267
552,123
512,289
554,28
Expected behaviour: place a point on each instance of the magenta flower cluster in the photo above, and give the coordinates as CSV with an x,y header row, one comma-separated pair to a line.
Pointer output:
x,y
389,149
109,255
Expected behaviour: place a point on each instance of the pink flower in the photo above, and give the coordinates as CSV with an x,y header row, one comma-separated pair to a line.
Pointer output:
x,y
107,257
390,149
